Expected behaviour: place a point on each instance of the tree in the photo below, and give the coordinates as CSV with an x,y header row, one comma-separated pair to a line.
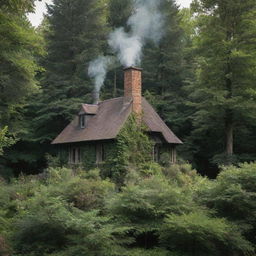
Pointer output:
x,y
224,91
17,6
19,45
76,35
163,70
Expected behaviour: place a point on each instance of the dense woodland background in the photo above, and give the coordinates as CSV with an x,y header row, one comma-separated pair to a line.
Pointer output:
x,y
201,78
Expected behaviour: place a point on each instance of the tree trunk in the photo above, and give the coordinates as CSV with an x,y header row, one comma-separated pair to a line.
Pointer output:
x,y
229,120
229,134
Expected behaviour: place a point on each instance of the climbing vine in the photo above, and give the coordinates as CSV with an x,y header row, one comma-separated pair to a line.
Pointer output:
x,y
133,149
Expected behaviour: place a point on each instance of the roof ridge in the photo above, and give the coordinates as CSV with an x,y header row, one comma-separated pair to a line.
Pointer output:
x,y
102,101
117,98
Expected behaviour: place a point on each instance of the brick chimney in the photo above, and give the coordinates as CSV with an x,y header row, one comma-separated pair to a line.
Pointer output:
x,y
132,87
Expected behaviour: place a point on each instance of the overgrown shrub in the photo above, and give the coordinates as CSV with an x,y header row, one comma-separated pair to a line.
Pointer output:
x,y
158,212
233,195
198,234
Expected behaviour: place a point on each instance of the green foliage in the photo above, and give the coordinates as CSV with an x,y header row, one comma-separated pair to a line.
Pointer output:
x,y
88,156
75,35
15,6
163,68
152,198
58,214
119,12
133,148
153,210
198,234
5,141
165,212
18,49
74,231
86,191
183,174
233,195
223,90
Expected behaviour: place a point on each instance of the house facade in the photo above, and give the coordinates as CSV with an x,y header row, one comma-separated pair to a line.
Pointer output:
x,y
89,140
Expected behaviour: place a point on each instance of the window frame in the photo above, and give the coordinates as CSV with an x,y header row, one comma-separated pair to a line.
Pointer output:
x,y
74,155
173,155
82,121
156,153
100,153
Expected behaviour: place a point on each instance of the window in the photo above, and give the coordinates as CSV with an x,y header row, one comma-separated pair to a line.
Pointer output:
x,y
173,155
156,153
82,121
74,155
100,153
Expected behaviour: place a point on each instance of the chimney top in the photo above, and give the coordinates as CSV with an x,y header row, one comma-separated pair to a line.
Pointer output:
x,y
132,87
132,67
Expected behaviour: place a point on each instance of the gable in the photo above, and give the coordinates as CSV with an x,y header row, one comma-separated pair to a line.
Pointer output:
x,y
156,124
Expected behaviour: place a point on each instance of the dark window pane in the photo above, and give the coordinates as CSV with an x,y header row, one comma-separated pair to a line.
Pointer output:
x,y
78,155
73,155
82,120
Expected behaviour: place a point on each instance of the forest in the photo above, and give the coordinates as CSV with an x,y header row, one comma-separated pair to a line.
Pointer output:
x,y
199,73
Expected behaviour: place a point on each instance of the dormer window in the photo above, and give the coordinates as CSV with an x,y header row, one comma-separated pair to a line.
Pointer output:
x,y
86,113
82,121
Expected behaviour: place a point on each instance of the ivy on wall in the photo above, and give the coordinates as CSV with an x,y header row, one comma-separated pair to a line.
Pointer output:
x,y
133,149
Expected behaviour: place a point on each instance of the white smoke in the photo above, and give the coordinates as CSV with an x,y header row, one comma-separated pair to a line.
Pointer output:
x,y
128,48
98,69
147,24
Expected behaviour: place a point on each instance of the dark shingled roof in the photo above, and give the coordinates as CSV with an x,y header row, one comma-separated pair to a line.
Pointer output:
x,y
109,120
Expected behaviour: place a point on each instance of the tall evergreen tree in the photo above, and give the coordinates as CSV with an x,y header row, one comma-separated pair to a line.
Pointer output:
x,y
77,34
19,44
224,91
164,71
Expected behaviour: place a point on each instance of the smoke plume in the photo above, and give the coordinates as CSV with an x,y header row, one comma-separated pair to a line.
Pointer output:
x,y
97,71
146,24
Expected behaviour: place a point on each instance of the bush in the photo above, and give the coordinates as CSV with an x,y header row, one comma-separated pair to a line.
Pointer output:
x,y
233,195
197,234
183,174
159,212
51,225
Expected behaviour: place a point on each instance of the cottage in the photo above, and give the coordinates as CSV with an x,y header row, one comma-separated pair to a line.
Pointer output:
x,y
91,136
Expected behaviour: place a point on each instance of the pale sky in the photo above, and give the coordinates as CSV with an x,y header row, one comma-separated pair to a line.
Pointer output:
x,y
36,18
